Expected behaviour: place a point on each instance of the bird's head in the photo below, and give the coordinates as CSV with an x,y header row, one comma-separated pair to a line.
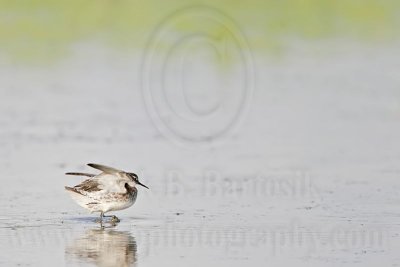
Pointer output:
x,y
135,179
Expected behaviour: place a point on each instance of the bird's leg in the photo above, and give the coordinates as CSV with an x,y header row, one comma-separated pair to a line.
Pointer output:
x,y
100,220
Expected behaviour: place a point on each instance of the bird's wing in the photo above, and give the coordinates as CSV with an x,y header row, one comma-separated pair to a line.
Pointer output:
x,y
80,174
103,168
89,186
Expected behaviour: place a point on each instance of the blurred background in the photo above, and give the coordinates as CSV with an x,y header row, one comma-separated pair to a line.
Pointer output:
x,y
251,122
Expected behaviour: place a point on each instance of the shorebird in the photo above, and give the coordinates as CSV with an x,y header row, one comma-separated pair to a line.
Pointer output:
x,y
110,190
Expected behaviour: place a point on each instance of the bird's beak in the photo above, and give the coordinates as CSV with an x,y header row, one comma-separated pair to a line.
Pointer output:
x,y
139,183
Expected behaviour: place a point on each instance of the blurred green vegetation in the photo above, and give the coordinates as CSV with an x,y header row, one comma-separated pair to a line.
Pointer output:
x,y
39,29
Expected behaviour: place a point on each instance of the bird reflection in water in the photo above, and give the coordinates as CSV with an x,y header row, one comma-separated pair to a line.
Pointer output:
x,y
104,247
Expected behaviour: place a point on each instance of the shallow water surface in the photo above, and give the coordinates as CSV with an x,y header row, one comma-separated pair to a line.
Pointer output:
x,y
327,229
308,178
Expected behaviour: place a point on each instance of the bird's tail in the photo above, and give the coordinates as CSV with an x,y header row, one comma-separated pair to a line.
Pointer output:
x,y
77,196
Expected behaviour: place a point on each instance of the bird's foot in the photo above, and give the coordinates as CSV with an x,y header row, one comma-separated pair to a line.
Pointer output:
x,y
112,218
115,219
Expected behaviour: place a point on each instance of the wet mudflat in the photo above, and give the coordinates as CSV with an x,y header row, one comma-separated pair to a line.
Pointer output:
x,y
326,231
